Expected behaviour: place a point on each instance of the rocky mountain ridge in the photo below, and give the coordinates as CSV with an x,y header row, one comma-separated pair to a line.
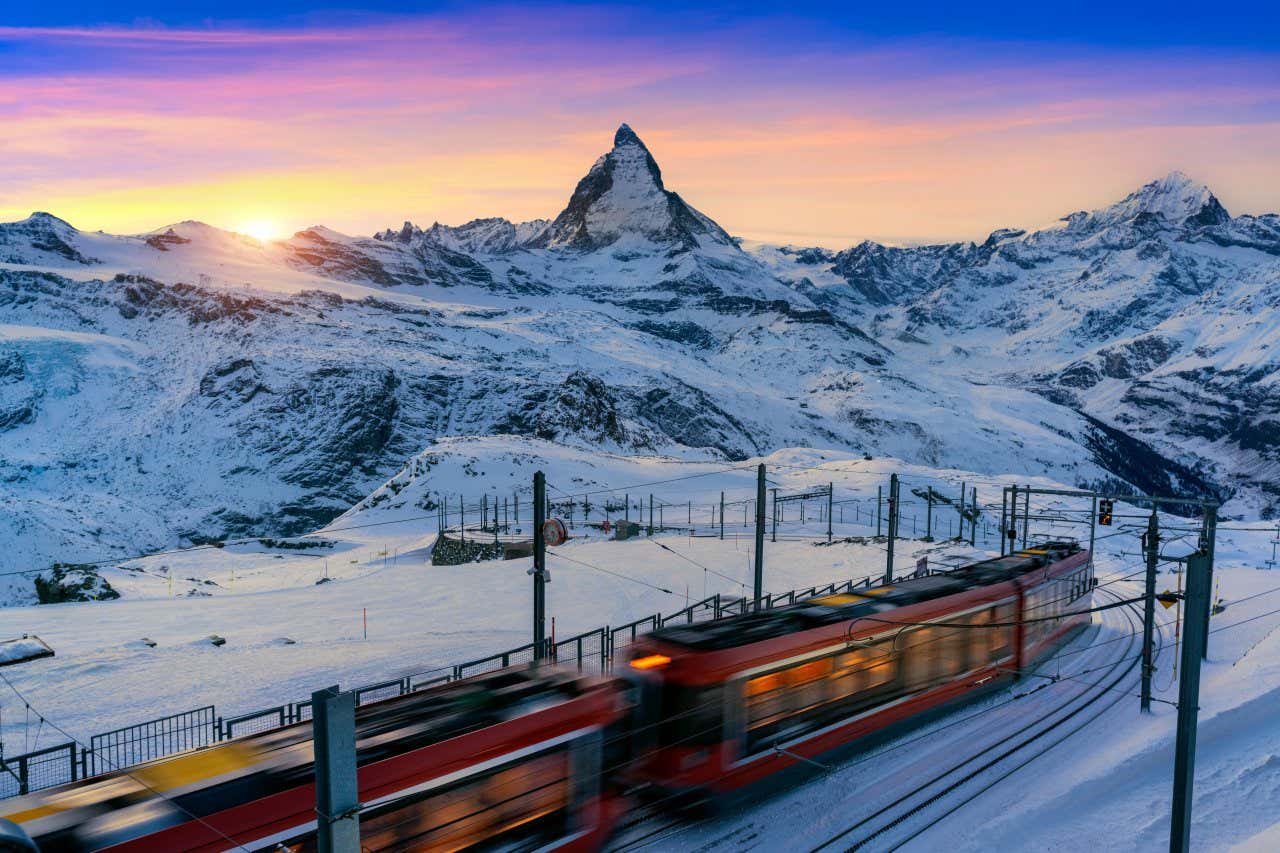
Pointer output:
x,y
191,383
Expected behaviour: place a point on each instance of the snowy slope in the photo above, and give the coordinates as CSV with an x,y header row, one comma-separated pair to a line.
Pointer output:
x,y
421,617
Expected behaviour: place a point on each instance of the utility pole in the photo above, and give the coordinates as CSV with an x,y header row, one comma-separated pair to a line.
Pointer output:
x,y
462,519
1151,549
831,490
722,515
893,526
1184,756
759,584
539,570
651,513
963,489
333,729
626,507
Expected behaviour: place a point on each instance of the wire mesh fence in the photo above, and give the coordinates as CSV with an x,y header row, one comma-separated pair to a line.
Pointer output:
x,y
42,768
258,721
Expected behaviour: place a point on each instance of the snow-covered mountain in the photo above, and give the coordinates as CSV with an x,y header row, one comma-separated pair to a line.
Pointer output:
x,y
191,383
1156,316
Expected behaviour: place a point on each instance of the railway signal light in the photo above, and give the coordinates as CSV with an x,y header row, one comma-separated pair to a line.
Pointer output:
x,y
1104,512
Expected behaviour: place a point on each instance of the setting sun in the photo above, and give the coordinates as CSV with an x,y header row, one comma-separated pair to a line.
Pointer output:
x,y
260,229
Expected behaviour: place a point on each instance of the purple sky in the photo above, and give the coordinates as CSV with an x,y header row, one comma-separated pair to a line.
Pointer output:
x,y
797,128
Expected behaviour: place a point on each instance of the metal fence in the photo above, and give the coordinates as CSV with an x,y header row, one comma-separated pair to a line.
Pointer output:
x,y
593,650
43,768
589,650
153,739
258,721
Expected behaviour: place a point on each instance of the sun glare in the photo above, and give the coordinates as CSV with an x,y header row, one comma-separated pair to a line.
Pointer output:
x,y
260,229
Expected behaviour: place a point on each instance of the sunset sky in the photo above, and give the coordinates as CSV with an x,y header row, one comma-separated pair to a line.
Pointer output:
x,y
826,124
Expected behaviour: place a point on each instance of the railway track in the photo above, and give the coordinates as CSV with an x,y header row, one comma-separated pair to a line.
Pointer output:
x,y
1098,670
947,791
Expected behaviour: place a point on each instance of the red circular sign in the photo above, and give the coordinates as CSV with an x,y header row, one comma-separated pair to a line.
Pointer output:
x,y
553,532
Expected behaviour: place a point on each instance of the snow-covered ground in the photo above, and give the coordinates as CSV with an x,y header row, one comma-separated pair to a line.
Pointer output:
x,y
1108,787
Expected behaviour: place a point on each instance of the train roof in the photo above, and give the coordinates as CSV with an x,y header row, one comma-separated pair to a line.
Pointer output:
x,y
736,631
474,703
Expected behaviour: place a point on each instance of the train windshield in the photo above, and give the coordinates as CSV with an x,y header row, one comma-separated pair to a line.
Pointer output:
x,y
691,715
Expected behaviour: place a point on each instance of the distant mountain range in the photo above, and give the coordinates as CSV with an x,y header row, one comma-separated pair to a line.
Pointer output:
x,y
192,383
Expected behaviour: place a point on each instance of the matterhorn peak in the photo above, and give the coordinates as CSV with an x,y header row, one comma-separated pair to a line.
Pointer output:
x,y
623,195
626,136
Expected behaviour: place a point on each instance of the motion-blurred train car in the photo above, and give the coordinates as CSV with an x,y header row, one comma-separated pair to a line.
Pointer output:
x,y
512,760
732,702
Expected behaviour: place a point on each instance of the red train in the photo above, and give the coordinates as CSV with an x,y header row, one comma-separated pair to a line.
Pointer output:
x,y
537,759
739,700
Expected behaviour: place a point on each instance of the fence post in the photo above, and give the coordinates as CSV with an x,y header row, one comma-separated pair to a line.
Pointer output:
x,y
333,726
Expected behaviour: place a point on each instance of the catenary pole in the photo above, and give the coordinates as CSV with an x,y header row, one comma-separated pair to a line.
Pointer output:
x,y
1210,537
928,516
774,537
539,564
879,503
1026,513
1151,549
973,524
831,490
1184,755
893,527
759,567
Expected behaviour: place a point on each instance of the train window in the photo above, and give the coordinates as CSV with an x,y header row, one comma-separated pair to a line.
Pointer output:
x,y
791,701
953,649
525,802
920,657
1001,637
